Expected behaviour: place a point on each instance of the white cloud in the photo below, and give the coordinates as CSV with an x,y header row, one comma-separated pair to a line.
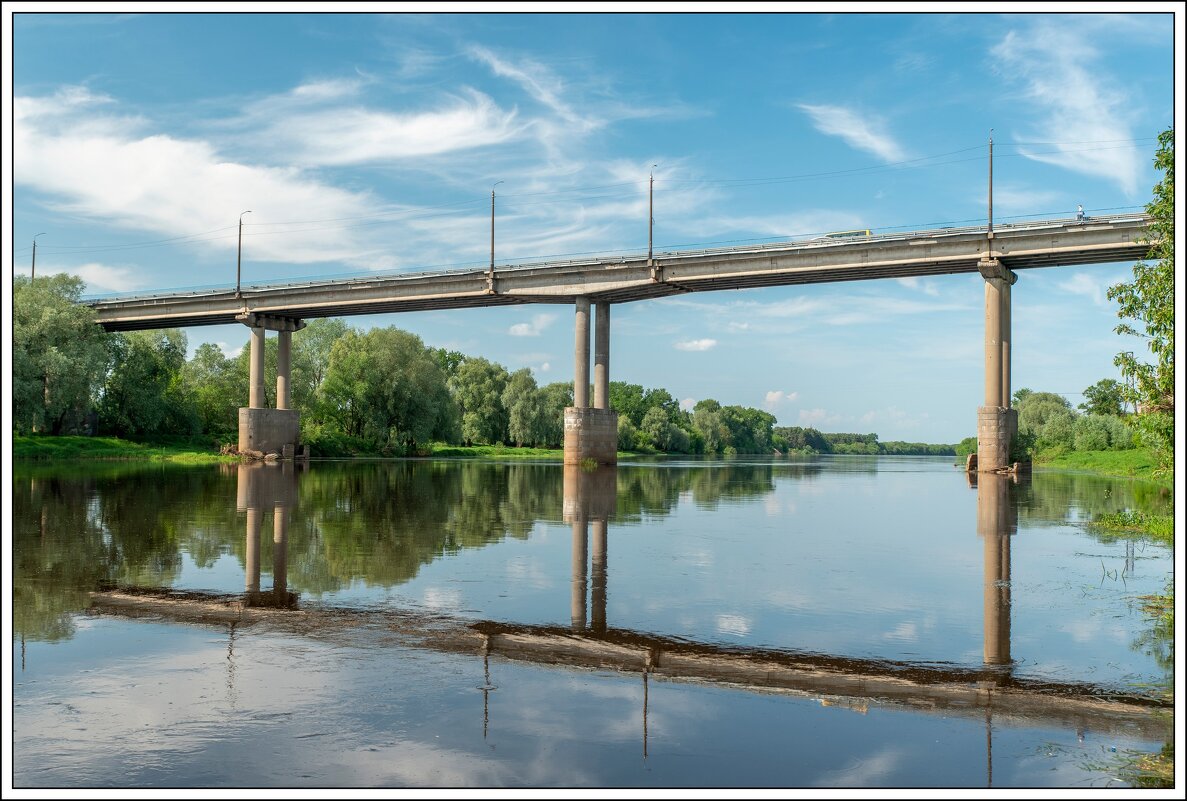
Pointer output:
x,y
229,352
696,344
100,278
734,325
1083,112
917,283
1086,285
338,135
688,403
536,79
533,328
859,130
778,396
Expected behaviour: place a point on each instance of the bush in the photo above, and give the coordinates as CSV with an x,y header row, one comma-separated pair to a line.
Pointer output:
x,y
1091,433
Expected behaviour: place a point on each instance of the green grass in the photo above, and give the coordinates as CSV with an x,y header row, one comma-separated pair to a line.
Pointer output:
x,y
72,448
1134,463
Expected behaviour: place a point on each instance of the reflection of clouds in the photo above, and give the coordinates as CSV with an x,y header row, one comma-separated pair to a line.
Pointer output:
x,y
527,571
907,632
733,624
448,599
872,771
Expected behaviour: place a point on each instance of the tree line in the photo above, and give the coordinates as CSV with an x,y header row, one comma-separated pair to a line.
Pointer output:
x,y
376,391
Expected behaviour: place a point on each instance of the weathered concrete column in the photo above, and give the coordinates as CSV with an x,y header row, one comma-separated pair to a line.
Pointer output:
x,y
581,355
284,350
602,355
1004,298
993,342
256,369
597,613
997,521
252,559
997,423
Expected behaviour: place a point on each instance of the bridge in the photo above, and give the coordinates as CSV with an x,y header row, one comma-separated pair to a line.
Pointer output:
x,y
591,430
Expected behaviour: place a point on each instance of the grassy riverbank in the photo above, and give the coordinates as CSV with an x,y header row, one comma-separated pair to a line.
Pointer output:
x,y
70,447
1135,463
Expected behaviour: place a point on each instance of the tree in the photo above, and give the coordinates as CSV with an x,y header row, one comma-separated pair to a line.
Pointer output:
x,y
59,354
1104,397
525,408
386,387
312,346
556,396
1149,301
477,387
144,395
210,381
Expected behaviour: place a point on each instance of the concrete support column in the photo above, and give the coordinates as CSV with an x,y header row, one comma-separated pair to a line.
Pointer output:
x,y
252,583
597,612
602,355
256,396
581,355
577,608
1005,338
993,342
284,350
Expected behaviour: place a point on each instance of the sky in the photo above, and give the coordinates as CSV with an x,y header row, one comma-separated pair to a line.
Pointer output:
x,y
370,142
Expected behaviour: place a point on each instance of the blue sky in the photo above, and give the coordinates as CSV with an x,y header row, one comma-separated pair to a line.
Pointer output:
x,y
370,142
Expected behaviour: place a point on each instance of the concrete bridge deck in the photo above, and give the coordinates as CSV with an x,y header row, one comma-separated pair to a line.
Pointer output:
x,y
943,251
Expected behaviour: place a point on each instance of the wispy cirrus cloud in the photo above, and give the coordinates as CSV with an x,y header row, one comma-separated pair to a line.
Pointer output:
x,y
859,130
1081,112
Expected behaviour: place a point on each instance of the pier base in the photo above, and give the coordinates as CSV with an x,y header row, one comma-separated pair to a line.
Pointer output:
x,y
268,430
591,434
996,427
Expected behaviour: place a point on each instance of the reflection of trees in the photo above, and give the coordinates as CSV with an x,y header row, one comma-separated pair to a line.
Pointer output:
x,y
1058,496
76,528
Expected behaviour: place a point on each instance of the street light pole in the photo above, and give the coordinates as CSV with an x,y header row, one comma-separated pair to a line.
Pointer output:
x,y
492,228
990,183
33,266
650,212
239,254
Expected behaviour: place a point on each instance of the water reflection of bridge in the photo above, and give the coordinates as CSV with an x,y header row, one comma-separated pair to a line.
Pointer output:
x,y
591,642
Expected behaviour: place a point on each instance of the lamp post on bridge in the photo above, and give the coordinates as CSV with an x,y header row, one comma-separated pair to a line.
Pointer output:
x,y
239,253
33,265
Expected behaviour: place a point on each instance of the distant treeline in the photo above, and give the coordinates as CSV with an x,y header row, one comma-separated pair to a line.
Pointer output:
x,y
378,391
809,440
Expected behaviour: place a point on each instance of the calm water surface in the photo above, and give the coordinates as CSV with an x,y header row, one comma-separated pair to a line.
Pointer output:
x,y
836,622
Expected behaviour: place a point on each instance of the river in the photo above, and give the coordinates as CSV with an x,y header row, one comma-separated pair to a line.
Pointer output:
x,y
832,622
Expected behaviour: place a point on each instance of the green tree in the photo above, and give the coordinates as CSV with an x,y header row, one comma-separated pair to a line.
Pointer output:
x,y
708,420
144,395
477,388
59,355
1104,397
526,409
386,387
1149,301
312,346
556,397
209,380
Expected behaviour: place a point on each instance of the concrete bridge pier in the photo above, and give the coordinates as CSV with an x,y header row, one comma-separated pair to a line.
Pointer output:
x,y
997,423
591,433
260,428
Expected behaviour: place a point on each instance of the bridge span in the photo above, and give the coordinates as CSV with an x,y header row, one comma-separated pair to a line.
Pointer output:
x,y
622,279
591,430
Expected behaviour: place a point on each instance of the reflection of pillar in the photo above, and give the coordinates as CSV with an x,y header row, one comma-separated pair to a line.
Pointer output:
x,y
253,549
581,355
280,530
996,522
580,549
602,355
256,365
597,614
284,349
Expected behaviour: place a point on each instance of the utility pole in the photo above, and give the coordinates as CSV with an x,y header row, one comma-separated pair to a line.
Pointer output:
x,y
239,254
33,266
650,213
491,274
990,183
